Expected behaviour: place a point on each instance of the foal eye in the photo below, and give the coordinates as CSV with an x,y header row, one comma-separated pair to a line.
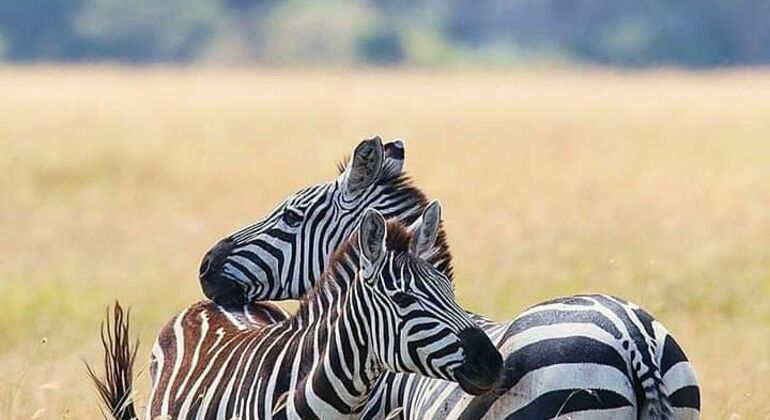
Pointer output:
x,y
291,217
403,299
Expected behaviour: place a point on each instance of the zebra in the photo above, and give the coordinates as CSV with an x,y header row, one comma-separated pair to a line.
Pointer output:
x,y
380,306
595,356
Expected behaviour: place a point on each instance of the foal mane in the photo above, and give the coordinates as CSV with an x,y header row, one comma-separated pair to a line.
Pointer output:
x,y
345,261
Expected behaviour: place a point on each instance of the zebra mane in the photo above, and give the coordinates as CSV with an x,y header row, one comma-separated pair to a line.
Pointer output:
x,y
402,182
342,164
344,262
345,259
442,258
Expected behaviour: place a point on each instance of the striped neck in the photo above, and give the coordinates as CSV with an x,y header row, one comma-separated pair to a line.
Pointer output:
x,y
395,197
339,384
336,339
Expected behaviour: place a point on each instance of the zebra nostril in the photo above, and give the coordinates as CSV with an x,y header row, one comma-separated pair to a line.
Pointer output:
x,y
217,285
205,265
213,260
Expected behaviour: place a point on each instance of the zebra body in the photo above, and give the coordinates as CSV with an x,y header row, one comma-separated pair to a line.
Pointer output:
x,y
585,356
280,256
548,372
379,308
192,343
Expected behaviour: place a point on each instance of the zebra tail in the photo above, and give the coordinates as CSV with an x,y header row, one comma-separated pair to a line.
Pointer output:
x,y
115,389
657,405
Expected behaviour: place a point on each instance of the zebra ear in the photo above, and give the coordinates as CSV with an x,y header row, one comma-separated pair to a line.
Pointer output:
x,y
394,158
365,166
426,230
371,241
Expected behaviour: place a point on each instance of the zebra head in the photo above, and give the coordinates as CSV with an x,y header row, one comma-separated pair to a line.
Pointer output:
x,y
282,255
415,324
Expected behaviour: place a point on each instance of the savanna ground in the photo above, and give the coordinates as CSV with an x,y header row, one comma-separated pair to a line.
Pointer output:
x,y
652,186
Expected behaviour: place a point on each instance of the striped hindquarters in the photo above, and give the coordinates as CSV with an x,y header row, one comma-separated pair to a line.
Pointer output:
x,y
581,357
186,350
592,356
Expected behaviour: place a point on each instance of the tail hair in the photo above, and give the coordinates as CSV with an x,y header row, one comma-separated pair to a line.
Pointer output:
x,y
115,389
657,405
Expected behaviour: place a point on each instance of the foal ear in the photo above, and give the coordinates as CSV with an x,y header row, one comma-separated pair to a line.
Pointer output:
x,y
365,165
394,158
426,230
371,241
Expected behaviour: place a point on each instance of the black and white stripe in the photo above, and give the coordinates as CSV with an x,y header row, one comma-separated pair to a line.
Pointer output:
x,y
586,356
279,256
379,307
590,356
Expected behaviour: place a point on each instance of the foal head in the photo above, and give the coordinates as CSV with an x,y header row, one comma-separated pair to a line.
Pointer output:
x,y
414,323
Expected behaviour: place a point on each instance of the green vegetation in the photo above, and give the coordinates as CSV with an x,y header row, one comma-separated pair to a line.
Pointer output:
x,y
690,33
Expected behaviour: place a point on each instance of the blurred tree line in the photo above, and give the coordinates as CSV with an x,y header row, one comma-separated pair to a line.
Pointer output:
x,y
691,33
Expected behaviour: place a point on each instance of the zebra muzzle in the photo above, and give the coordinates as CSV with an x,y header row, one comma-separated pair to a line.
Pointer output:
x,y
483,363
216,285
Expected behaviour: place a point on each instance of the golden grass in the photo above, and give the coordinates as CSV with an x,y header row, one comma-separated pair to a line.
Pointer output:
x,y
653,186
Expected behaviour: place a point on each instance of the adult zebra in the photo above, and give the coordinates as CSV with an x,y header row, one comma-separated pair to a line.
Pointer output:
x,y
592,356
380,306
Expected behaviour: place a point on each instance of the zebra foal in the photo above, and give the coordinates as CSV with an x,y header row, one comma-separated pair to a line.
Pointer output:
x,y
380,306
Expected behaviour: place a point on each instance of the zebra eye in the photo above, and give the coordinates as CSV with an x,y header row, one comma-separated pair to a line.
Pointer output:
x,y
403,299
291,217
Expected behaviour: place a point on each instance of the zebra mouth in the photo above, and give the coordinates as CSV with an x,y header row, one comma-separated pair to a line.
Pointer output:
x,y
474,384
483,363
224,290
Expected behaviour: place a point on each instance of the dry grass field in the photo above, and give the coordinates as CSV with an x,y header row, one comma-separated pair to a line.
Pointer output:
x,y
654,186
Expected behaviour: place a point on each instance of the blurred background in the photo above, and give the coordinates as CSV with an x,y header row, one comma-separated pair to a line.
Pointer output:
x,y
627,33
577,146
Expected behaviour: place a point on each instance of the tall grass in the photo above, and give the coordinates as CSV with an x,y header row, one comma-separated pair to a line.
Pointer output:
x,y
652,186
